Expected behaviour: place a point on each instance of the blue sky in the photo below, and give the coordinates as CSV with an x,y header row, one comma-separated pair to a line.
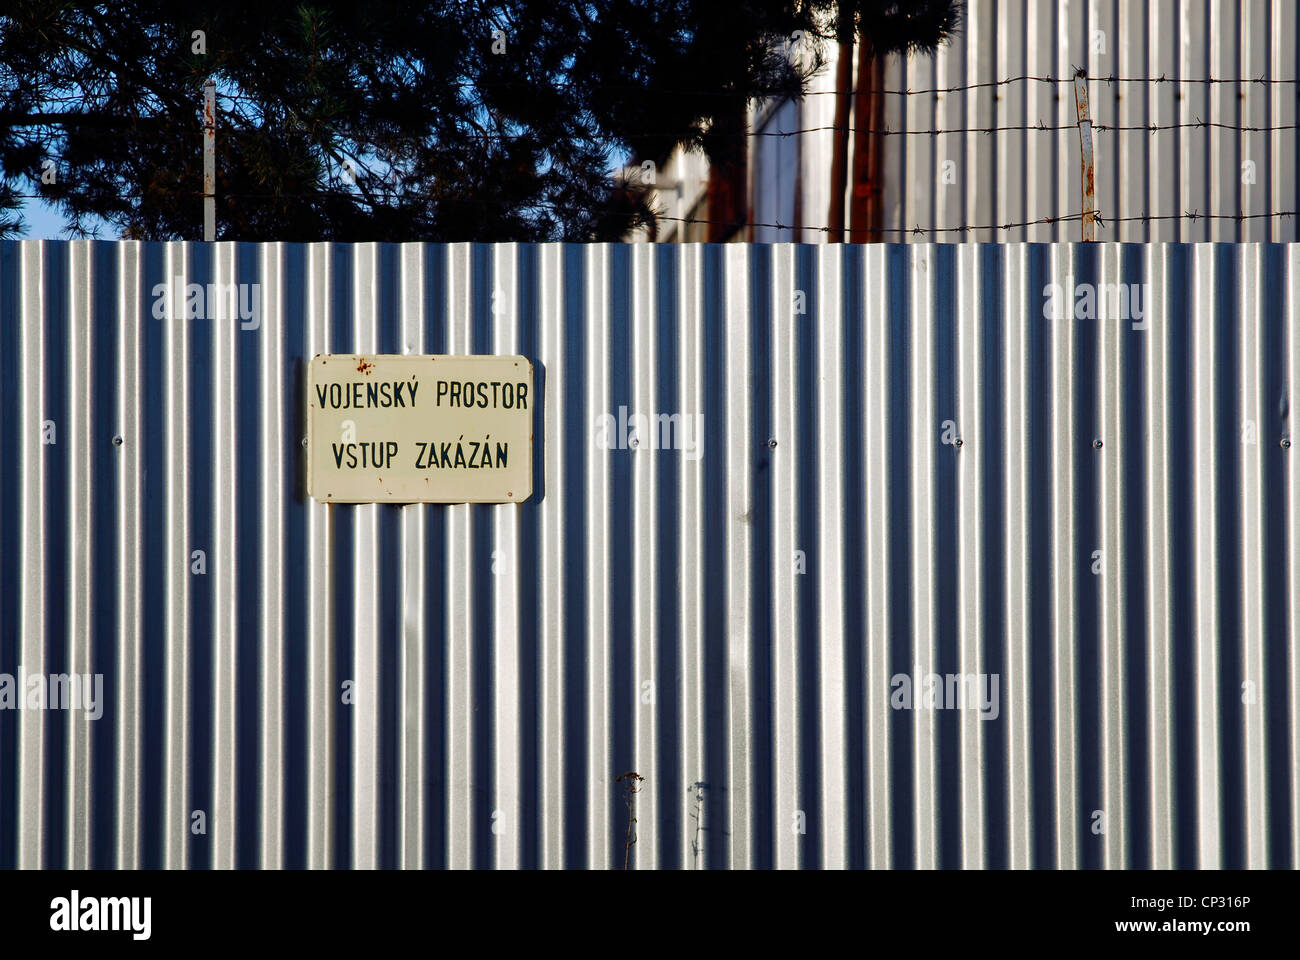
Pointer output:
x,y
44,222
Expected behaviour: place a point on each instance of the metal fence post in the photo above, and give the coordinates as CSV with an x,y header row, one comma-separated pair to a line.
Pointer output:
x,y
210,160
1087,221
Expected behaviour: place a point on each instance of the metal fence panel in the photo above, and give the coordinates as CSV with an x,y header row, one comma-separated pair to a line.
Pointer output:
x,y
955,556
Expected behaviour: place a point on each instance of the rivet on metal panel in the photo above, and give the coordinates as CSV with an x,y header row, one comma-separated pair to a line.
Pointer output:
x,y
771,442
1097,443
304,443
117,441
958,442
634,442
1286,442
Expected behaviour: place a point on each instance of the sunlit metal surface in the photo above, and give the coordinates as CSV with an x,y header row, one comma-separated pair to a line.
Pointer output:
x,y
902,467
970,143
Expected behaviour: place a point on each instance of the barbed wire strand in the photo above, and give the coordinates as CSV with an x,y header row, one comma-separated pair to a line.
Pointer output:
x,y
697,92
1101,220
471,135
955,88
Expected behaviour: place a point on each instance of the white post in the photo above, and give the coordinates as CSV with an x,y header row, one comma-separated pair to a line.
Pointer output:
x,y
1088,219
210,160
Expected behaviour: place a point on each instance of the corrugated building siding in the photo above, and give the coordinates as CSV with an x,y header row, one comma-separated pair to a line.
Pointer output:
x,y
969,178
906,467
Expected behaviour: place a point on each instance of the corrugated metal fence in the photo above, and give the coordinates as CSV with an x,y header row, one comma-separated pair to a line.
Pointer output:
x,y
1223,148
903,468
1010,153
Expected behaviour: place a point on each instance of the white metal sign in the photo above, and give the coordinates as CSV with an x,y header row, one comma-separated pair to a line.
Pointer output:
x,y
420,429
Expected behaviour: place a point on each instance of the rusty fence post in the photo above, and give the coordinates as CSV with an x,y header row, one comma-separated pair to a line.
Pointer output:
x,y
1087,221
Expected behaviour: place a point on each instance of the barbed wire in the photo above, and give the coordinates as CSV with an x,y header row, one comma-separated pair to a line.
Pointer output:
x,y
1050,79
955,88
912,231
698,92
1100,219
1039,126
374,139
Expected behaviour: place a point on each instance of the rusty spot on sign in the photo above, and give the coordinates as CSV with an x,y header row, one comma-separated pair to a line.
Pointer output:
x,y
364,366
